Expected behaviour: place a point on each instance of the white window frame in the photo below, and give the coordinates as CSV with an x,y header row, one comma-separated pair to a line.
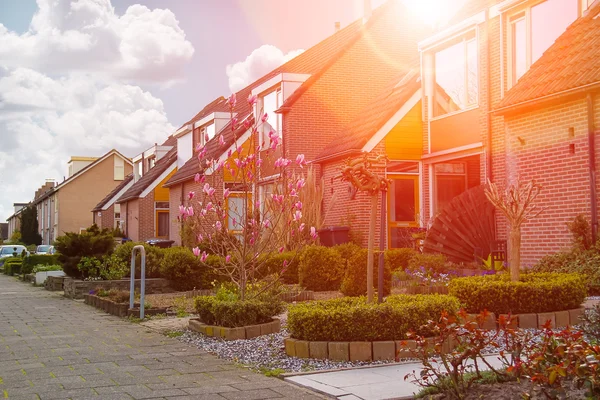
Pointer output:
x,y
161,209
277,125
447,44
119,164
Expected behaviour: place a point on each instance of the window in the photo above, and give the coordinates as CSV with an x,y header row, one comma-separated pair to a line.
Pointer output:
x,y
450,181
119,168
151,163
403,207
533,30
117,217
271,102
138,170
456,76
236,212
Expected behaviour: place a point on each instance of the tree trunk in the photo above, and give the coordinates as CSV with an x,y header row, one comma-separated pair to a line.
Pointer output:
x,y
371,246
515,253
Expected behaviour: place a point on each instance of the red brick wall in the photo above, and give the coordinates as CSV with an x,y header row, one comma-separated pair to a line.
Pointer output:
x,y
538,147
108,218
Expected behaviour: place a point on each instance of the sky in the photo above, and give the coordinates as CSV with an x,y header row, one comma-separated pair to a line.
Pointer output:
x,y
80,77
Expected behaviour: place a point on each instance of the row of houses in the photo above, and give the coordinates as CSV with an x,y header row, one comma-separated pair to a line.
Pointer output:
x,y
507,89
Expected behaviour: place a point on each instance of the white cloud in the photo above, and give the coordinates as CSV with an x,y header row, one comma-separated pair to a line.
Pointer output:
x,y
142,45
260,62
68,87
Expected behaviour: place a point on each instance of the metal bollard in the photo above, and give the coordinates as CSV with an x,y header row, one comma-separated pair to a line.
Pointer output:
x,y
142,282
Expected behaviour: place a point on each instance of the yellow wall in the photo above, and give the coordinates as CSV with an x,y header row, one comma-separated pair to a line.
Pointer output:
x,y
161,193
226,173
405,140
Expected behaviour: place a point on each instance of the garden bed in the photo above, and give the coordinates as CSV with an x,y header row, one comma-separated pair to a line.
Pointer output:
x,y
76,289
243,332
120,309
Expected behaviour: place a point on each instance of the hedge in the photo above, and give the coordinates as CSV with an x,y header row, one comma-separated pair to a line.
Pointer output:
x,y
236,313
12,265
185,271
533,293
321,268
38,259
585,262
352,319
355,279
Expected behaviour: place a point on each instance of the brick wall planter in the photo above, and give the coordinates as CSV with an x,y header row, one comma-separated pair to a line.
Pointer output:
x,y
54,283
353,351
305,295
244,332
40,277
75,288
119,309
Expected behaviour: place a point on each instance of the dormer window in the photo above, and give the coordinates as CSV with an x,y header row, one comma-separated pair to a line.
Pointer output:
x,y
533,29
456,78
151,162
205,133
270,102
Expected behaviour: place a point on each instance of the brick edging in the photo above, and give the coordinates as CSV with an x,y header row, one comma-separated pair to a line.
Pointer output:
x,y
558,319
244,332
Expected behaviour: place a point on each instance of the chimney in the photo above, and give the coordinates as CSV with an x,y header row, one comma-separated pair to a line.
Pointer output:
x,y
337,27
367,10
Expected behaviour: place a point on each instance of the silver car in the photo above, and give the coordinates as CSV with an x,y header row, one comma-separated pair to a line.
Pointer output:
x,y
44,249
10,251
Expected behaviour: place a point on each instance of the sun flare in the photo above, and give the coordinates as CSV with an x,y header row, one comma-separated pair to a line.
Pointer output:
x,y
433,12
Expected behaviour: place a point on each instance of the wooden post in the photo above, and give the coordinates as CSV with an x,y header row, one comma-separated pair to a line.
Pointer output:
x,y
515,253
371,245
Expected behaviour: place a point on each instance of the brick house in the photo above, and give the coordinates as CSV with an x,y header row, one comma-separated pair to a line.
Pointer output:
x,y
66,206
14,220
144,206
107,213
311,97
486,85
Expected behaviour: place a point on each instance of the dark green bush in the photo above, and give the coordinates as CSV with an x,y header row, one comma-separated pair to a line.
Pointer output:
x,y
38,259
347,251
154,257
185,271
533,293
434,262
352,319
355,279
232,314
399,259
92,242
273,264
321,268
12,265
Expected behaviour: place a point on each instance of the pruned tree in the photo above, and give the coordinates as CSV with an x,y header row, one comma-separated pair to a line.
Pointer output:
x,y
359,174
517,204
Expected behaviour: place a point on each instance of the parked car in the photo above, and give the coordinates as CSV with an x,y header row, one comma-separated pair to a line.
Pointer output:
x,y
10,251
44,249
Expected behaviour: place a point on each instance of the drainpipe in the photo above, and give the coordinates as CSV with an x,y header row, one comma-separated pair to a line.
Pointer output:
x,y
592,155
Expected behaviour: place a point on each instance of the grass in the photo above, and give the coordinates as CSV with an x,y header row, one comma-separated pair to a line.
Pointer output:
x,y
173,334
271,373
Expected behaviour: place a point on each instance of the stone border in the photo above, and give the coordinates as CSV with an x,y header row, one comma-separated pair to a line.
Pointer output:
x,y
244,332
558,319
389,350
119,309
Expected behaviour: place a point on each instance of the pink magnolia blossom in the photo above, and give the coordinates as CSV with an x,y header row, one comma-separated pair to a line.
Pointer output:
x,y
218,225
227,258
281,249
274,142
285,265
200,237
251,241
282,162
221,141
228,153
191,195
206,138
226,193
300,160
313,233
209,206
264,118
298,205
234,122
259,162
234,221
266,223
300,184
277,198
189,211
208,190
231,101
197,178
252,99
293,193
301,227
220,164
182,211
297,215
246,124
196,251
204,256
198,147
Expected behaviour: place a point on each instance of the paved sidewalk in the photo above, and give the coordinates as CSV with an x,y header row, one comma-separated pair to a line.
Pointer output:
x,y
55,348
370,383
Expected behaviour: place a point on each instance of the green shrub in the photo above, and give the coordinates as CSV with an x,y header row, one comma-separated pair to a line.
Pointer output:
x,y
355,279
352,319
434,262
154,257
273,264
184,270
584,262
232,314
92,242
399,259
38,259
347,251
533,293
12,265
46,268
321,268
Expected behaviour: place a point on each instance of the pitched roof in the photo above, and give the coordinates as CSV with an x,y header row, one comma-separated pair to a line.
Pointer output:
x,y
572,63
373,117
113,193
311,61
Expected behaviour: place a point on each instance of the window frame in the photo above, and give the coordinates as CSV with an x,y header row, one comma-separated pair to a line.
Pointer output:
x,y
264,140
464,174
157,211
523,12
237,195
464,37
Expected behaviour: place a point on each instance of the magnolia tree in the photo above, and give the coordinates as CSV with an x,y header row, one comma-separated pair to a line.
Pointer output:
x,y
247,224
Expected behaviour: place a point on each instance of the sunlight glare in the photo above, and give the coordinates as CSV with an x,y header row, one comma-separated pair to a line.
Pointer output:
x,y
435,13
